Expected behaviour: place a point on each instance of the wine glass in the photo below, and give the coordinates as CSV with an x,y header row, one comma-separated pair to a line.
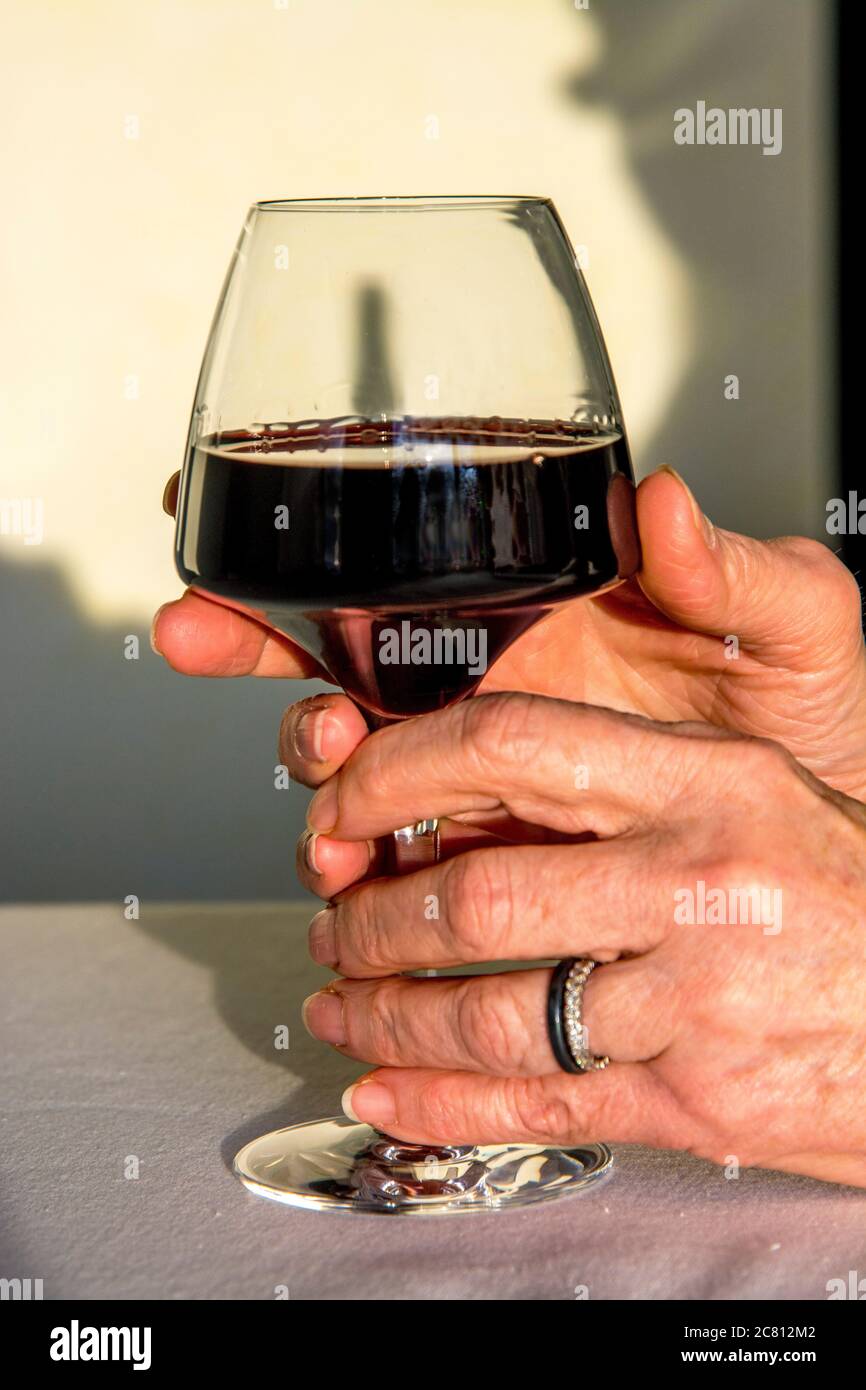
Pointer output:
x,y
406,447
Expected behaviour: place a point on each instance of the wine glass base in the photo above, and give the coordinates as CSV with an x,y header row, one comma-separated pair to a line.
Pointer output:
x,y
339,1165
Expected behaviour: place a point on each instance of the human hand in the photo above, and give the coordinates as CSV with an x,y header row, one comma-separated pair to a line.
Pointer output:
x,y
744,1041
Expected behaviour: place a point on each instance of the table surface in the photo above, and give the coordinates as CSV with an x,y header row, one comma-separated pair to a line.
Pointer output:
x,y
154,1041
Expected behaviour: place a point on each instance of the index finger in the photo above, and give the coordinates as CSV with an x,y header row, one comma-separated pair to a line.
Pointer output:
x,y
575,768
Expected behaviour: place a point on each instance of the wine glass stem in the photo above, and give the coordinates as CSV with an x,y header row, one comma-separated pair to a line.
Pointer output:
x,y
412,848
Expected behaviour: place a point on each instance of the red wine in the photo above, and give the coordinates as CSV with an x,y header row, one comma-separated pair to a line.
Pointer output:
x,y
406,555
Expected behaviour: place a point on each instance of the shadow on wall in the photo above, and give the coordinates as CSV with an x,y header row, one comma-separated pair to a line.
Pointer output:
x,y
750,230
126,778
123,777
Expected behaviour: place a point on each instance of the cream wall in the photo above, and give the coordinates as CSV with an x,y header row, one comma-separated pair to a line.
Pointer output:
x,y
137,132
141,131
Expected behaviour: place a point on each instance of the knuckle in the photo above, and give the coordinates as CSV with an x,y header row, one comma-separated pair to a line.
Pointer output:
x,y
837,584
491,1026
442,1109
359,938
809,552
538,1112
498,728
724,1122
385,1024
721,869
847,599
731,869
847,594
764,762
727,999
726,1007
371,771
477,902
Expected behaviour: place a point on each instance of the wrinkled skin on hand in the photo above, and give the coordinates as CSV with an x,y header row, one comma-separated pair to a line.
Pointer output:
x,y
732,1040
740,1038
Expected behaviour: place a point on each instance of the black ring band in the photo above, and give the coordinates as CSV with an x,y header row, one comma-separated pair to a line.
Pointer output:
x,y
556,1017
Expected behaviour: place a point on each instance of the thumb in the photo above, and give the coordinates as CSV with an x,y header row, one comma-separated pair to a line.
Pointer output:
x,y
791,594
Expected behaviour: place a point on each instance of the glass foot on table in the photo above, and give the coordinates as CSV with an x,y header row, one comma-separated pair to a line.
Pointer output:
x,y
340,1165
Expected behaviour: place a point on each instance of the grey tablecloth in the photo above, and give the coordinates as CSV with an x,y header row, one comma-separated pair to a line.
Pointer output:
x,y
154,1041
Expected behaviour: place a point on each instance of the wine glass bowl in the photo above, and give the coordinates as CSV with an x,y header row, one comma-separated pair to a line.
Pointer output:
x,y
405,554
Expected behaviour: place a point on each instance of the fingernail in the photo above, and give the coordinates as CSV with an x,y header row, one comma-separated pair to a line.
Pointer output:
x,y
309,736
703,523
310,838
169,495
370,1103
323,937
322,1014
322,812
156,617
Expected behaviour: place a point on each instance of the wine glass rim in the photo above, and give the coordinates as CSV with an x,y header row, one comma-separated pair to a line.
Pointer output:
x,y
388,202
